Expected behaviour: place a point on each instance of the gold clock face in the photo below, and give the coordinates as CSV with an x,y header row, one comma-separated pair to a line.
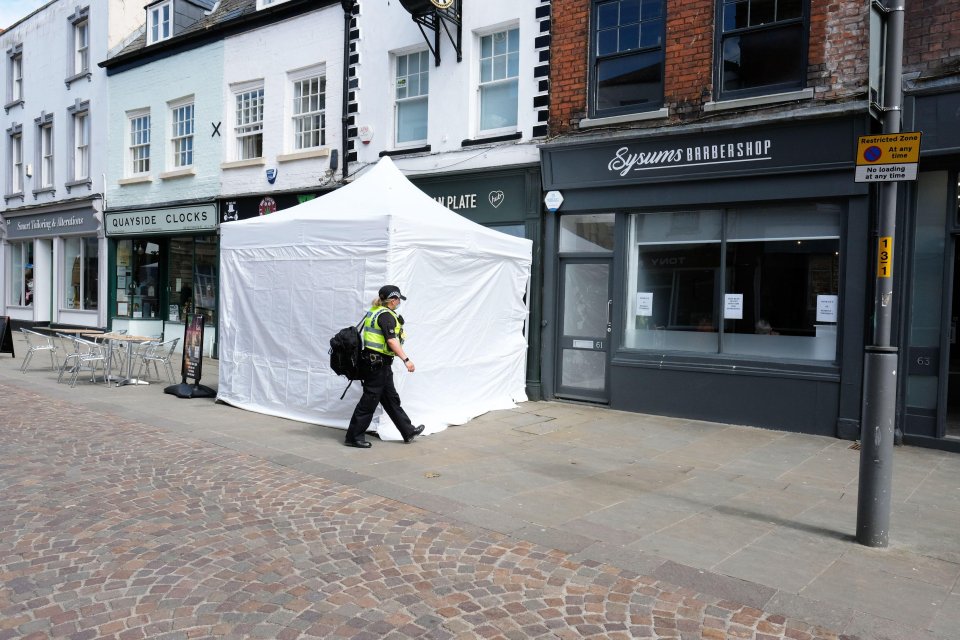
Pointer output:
x,y
442,4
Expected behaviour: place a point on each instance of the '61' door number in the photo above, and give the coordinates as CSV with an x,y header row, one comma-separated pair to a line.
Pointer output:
x,y
595,345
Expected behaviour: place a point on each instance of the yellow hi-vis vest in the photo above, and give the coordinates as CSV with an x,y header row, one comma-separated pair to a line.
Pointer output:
x,y
373,338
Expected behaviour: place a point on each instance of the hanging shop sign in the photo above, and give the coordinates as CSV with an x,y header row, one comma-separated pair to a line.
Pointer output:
x,y
51,224
201,217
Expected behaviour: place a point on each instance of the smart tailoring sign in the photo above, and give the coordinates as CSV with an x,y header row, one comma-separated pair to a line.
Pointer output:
x,y
888,157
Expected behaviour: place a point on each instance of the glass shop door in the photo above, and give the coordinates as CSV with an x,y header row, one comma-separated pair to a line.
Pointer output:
x,y
586,314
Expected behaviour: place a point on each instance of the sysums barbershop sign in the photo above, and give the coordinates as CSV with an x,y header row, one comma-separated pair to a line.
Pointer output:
x,y
816,145
624,160
177,219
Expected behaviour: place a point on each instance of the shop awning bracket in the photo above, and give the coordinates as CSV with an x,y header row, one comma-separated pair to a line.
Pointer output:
x,y
448,18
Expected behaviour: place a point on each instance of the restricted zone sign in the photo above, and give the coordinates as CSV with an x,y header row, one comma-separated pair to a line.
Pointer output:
x,y
888,157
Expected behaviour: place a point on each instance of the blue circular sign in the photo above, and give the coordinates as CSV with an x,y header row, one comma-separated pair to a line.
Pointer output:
x,y
872,154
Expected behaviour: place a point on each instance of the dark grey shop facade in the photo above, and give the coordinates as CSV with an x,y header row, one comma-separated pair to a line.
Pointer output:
x,y
717,274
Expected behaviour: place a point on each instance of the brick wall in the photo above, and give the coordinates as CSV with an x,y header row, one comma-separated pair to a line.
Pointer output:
x,y
931,44
838,55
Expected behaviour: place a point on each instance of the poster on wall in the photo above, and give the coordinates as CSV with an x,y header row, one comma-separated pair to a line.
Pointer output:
x,y
192,361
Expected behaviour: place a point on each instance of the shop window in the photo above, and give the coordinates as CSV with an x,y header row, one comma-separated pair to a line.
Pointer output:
x,y
627,54
138,273
192,279
21,274
752,282
309,113
181,135
248,128
412,88
761,46
499,76
81,267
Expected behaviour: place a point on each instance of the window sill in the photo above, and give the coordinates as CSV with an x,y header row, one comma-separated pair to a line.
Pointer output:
x,y
13,196
240,164
11,105
773,98
659,114
403,152
178,173
472,142
50,190
79,76
84,182
134,180
320,152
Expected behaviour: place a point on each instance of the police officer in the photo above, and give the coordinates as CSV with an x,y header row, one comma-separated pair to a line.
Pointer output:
x,y
382,341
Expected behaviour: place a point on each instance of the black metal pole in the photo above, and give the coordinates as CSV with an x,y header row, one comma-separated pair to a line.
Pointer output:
x,y
880,360
344,117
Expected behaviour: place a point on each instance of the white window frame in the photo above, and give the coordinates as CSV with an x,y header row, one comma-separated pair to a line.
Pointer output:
x,y
45,156
494,81
303,113
16,77
81,47
19,252
159,22
421,97
138,143
15,177
81,145
248,115
182,133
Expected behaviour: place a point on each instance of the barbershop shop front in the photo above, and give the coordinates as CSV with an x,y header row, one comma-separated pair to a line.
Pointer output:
x,y
718,275
163,266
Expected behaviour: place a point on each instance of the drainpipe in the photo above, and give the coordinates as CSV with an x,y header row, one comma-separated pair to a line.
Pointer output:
x,y
347,15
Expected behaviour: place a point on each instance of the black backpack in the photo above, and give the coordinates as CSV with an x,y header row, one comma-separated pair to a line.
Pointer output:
x,y
345,349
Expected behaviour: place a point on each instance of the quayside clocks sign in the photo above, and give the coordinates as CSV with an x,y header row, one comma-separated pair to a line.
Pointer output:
x,y
174,219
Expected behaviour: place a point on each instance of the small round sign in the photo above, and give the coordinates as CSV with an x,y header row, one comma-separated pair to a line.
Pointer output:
x,y
872,154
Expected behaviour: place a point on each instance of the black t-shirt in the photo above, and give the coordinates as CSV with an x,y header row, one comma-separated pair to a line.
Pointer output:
x,y
388,325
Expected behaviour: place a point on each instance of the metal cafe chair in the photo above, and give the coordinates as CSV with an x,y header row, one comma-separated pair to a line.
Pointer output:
x,y
89,355
38,342
158,353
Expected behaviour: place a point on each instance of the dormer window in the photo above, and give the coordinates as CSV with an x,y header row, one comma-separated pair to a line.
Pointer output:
x,y
159,21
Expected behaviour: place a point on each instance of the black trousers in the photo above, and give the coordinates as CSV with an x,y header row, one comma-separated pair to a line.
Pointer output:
x,y
378,388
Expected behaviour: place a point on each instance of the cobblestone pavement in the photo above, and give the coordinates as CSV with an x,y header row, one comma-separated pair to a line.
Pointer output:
x,y
114,529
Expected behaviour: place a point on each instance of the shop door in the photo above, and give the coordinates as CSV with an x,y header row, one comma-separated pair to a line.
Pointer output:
x,y
586,315
952,427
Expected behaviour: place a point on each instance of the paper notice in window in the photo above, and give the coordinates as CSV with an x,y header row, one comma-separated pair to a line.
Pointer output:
x,y
733,306
827,308
644,303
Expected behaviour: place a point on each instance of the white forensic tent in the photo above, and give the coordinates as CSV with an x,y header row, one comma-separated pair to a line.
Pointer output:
x,y
290,280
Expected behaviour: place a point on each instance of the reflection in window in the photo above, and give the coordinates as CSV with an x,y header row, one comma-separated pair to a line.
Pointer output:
x,y
499,73
762,46
628,56
783,263
80,273
591,233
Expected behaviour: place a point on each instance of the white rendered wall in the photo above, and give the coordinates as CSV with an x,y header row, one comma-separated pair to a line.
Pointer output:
x,y
269,55
197,73
453,107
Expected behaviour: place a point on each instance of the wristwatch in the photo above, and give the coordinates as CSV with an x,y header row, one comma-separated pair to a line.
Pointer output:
x,y
406,359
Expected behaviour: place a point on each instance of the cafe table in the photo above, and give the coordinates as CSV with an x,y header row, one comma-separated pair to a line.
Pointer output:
x,y
131,340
